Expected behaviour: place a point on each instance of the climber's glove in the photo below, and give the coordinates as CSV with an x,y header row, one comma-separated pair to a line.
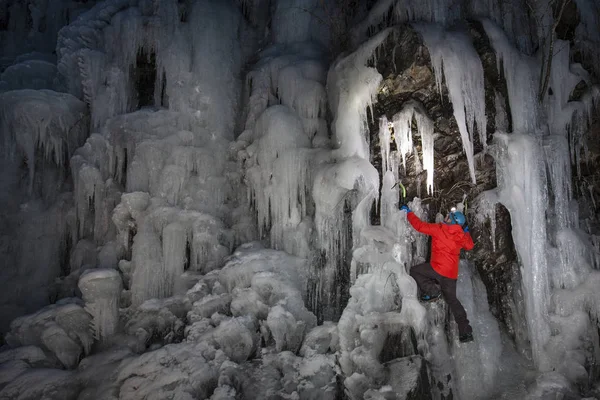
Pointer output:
x,y
466,228
405,208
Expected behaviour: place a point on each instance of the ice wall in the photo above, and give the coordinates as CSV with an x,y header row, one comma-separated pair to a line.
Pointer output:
x,y
95,61
534,181
153,188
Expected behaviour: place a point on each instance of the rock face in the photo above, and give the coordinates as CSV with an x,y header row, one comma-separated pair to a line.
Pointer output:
x,y
404,62
587,184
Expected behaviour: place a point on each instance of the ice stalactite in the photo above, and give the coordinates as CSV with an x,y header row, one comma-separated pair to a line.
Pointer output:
x,y
284,124
405,11
167,242
278,173
486,204
402,123
521,73
101,291
456,63
41,120
338,190
346,184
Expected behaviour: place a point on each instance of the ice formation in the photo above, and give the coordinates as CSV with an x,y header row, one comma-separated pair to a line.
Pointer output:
x,y
402,128
217,123
454,55
101,291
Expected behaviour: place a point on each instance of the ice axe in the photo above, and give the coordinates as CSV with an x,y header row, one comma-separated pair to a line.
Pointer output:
x,y
399,183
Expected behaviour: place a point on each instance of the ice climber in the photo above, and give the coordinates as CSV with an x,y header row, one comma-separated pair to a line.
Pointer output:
x,y
438,276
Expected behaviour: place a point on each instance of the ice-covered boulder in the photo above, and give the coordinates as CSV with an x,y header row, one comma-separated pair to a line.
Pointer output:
x,y
42,383
247,302
63,330
209,305
284,375
17,361
157,321
174,370
236,337
321,339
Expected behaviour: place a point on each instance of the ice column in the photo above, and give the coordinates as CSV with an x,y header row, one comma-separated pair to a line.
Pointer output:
x,y
101,290
402,123
352,85
522,189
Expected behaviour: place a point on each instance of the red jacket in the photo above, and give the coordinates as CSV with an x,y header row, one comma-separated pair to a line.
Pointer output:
x,y
447,241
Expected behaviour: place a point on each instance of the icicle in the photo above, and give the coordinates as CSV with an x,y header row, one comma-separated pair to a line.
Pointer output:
x,y
456,62
279,174
32,120
437,11
425,127
521,74
351,183
402,124
384,142
306,96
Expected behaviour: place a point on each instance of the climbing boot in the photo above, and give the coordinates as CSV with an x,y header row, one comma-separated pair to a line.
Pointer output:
x,y
429,298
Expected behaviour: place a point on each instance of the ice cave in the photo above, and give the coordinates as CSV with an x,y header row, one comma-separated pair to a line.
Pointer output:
x,y
201,199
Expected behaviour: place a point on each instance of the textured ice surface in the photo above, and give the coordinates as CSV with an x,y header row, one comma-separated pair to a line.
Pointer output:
x,y
61,330
101,291
457,64
158,194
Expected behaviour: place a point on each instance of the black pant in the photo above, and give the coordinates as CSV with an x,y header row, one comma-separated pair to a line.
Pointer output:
x,y
430,282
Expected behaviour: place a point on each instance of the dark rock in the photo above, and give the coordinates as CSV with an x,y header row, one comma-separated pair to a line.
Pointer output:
x,y
497,265
398,345
586,184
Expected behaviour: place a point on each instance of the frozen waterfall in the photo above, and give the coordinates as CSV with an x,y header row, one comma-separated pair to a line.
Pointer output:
x,y
199,199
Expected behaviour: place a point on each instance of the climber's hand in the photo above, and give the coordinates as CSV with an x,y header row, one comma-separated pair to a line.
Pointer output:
x,y
404,207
